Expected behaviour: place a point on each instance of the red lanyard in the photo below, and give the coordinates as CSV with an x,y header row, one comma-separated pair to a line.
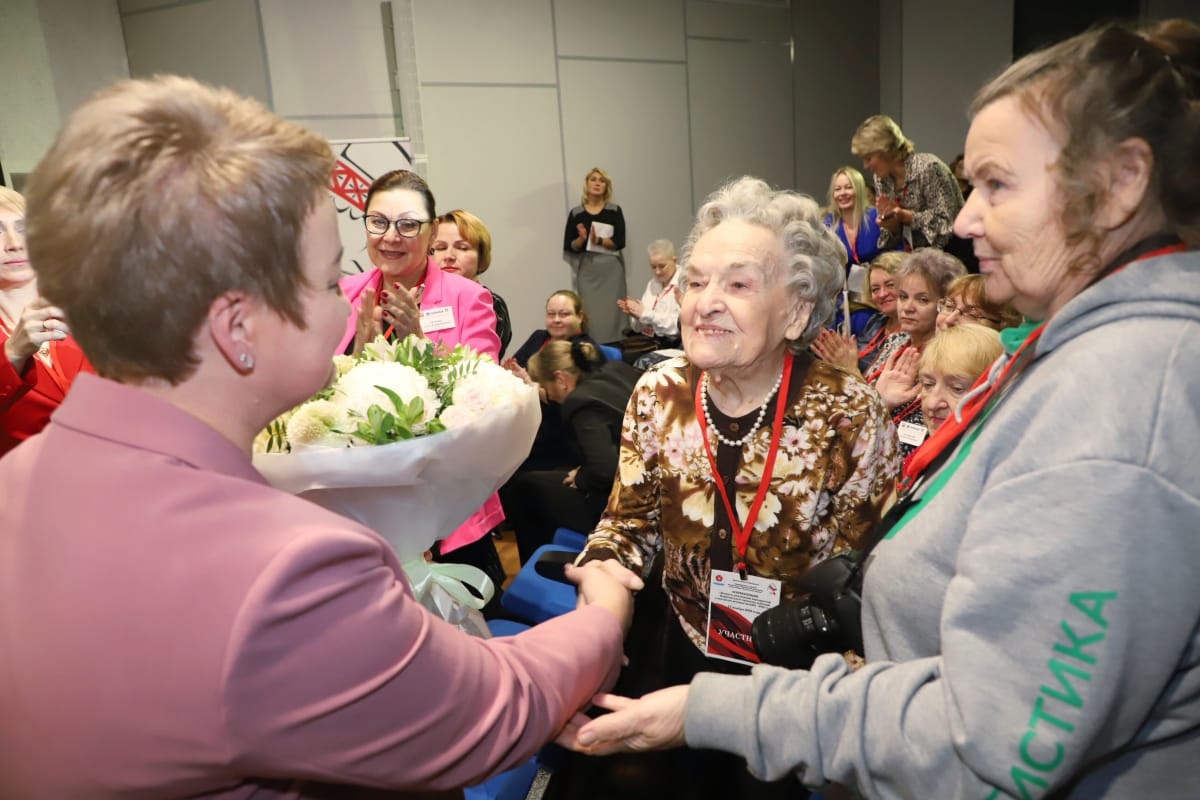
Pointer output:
x,y
663,293
876,340
741,532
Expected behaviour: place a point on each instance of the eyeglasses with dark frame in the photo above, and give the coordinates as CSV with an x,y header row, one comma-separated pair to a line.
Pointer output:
x,y
947,306
379,224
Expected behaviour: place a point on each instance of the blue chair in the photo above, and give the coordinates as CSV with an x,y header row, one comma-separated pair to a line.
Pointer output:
x,y
511,785
565,537
537,599
505,627
611,353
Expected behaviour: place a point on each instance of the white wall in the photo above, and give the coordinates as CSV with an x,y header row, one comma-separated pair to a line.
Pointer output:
x,y
516,100
53,54
949,49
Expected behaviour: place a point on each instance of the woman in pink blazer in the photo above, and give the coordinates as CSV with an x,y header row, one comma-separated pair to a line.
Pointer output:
x,y
407,293
172,625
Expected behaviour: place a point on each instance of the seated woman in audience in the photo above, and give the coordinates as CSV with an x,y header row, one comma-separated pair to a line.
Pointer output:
x,y
857,354
592,395
192,631
1031,620
406,292
916,194
950,366
565,320
40,358
921,282
746,457
463,246
655,317
965,301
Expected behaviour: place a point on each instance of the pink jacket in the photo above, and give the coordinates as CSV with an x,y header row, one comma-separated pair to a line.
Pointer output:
x,y
171,626
474,325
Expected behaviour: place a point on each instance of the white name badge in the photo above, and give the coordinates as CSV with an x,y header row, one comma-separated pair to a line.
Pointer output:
x,y
911,433
733,605
437,319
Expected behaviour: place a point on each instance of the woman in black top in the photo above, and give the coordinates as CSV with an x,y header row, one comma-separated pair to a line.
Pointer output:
x,y
592,243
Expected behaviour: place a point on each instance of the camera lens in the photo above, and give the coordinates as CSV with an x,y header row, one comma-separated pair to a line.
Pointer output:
x,y
793,635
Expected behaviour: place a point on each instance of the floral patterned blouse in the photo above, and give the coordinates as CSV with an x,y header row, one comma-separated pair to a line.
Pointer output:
x,y
836,466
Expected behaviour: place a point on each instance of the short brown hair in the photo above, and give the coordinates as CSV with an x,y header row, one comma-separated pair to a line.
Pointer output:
x,y
937,267
158,196
471,228
880,134
576,303
403,179
971,289
1100,88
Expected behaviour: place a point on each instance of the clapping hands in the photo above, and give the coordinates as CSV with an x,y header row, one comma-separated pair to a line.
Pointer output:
x,y
897,382
39,323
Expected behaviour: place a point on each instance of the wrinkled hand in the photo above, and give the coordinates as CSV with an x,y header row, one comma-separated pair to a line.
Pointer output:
x,y
39,323
654,722
841,351
897,382
607,584
569,480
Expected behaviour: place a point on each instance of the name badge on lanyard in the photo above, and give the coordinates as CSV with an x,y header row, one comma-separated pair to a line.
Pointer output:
x,y
437,319
911,433
733,604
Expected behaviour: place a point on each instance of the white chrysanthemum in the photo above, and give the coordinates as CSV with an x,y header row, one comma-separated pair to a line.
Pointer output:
x,y
319,424
356,392
490,386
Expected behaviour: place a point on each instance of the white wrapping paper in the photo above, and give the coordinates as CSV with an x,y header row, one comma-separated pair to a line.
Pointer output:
x,y
418,491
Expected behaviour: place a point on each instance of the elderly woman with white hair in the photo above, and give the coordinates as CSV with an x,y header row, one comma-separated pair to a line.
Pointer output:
x,y
745,461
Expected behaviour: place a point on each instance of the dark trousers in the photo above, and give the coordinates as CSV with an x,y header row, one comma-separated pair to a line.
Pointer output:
x,y
538,503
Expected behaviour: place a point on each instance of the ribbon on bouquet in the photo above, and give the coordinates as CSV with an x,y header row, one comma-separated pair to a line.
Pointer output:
x,y
453,578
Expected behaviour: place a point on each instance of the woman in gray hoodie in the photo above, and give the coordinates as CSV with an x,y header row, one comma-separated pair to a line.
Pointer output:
x,y
1032,617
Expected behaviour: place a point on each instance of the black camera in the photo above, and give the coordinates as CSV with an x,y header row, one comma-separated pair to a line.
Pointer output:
x,y
828,620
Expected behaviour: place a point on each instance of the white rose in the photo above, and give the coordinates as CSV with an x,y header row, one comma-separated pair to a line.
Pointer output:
x,y
356,390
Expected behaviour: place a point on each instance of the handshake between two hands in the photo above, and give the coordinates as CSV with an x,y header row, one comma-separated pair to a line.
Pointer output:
x,y
653,722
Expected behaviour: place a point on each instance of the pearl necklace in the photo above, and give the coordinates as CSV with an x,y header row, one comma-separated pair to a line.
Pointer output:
x,y
762,413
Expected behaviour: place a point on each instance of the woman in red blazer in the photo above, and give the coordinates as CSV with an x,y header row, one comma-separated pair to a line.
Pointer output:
x,y
40,359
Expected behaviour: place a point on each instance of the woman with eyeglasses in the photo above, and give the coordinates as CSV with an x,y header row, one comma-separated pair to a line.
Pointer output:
x,y
408,293
965,301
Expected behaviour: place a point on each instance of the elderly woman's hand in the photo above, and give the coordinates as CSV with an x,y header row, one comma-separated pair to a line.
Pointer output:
x,y
607,584
653,722
838,350
897,382
38,324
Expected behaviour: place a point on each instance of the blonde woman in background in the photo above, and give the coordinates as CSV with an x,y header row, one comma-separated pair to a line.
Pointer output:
x,y
592,245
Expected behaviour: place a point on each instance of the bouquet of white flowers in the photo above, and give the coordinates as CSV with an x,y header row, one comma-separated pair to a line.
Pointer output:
x,y
409,440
